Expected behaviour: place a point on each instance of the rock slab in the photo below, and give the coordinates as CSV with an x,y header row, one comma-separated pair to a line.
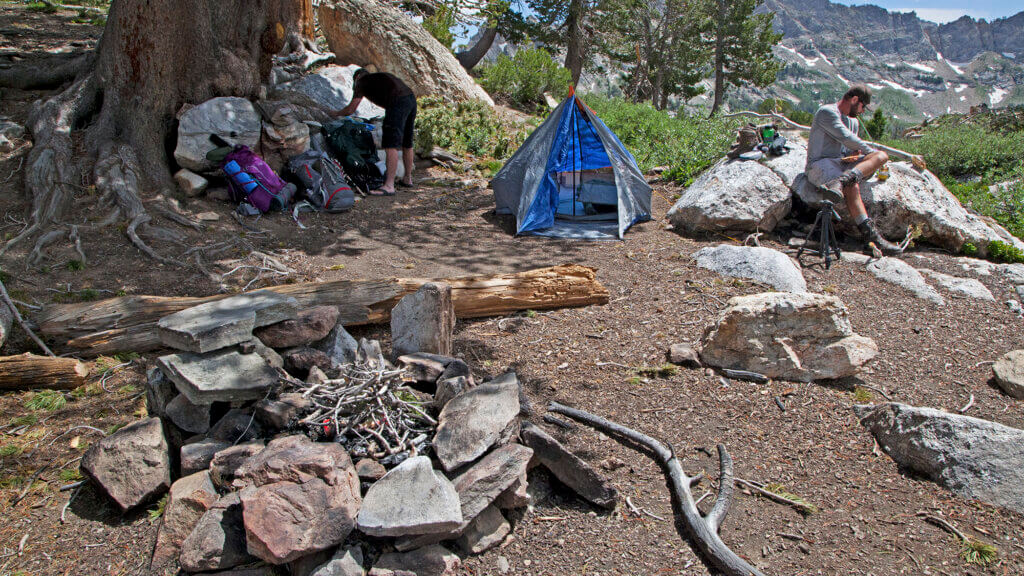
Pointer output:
x,y
190,498
218,540
232,118
474,421
307,327
131,466
972,457
223,376
570,469
762,265
412,498
800,337
960,287
1008,373
424,321
224,322
427,561
898,272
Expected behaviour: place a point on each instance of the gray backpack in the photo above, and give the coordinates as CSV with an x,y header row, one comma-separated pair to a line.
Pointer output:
x,y
326,187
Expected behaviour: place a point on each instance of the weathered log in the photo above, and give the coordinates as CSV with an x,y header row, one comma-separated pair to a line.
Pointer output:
x,y
700,529
129,322
30,371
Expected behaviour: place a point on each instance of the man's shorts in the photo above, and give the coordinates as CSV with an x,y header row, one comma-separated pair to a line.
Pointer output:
x,y
825,171
399,120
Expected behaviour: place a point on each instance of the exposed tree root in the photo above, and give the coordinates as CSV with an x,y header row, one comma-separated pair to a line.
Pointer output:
x,y
77,241
46,73
139,220
36,256
701,530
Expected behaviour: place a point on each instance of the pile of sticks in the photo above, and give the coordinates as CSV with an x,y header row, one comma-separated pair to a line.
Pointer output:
x,y
368,409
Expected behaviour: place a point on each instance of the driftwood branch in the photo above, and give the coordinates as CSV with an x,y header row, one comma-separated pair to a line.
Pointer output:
x,y
21,321
913,158
30,371
701,530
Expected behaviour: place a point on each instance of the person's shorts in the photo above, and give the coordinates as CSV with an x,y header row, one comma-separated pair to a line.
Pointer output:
x,y
825,171
399,120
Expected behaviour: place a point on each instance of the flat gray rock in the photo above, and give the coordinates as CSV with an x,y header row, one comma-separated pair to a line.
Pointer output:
x,y
1014,273
194,418
732,195
224,376
226,322
345,562
339,346
486,531
762,265
131,466
412,498
1009,373
960,287
972,457
898,272
570,469
427,561
474,421
424,321
218,540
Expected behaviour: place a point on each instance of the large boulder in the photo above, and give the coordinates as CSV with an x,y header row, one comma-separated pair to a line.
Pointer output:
x,y
232,118
367,32
331,88
912,198
475,420
131,466
762,265
974,458
790,165
733,195
790,336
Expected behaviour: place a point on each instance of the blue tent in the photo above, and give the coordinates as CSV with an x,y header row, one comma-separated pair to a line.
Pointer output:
x,y
573,178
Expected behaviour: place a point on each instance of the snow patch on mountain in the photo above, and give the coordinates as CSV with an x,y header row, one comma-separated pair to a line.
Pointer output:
x,y
996,96
921,67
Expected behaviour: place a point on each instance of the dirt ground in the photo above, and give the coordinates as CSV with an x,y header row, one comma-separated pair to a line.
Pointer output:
x,y
867,519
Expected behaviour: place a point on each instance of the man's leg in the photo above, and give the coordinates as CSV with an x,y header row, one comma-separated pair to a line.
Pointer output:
x,y
391,168
407,161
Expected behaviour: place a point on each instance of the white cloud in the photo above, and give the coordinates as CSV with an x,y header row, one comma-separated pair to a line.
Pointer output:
x,y
942,15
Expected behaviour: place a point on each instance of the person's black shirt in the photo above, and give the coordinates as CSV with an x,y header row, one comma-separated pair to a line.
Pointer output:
x,y
381,88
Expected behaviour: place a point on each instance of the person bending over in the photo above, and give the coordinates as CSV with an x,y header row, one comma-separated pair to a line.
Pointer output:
x,y
399,104
838,159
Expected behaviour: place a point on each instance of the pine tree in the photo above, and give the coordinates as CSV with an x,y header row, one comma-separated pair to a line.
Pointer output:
x,y
877,125
566,24
743,44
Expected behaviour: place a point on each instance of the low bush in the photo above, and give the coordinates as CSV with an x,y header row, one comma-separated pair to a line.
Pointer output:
x,y
522,80
968,150
466,128
686,144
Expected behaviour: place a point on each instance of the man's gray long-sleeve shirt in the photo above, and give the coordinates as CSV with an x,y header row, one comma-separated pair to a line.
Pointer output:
x,y
831,131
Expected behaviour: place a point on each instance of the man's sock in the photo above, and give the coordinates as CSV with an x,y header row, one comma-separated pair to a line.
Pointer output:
x,y
861,218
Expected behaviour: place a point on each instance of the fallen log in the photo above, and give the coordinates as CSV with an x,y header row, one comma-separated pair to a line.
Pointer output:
x,y
27,371
129,322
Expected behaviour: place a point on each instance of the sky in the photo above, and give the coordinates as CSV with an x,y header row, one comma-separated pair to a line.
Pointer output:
x,y
947,10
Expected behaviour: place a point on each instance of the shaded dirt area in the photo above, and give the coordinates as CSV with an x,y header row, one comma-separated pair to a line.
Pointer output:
x,y
866,523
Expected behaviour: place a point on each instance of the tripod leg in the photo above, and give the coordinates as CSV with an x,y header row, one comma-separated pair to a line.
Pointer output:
x,y
810,234
826,231
834,244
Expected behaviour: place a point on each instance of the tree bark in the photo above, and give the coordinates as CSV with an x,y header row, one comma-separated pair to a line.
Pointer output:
x,y
128,323
154,56
574,53
30,371
473,55
719,59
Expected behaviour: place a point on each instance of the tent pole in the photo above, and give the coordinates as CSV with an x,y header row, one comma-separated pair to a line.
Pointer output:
x,y
575,137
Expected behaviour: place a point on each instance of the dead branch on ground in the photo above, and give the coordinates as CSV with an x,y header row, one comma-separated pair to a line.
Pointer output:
x,y
700,529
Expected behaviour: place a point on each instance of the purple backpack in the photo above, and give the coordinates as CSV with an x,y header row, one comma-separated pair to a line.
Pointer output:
x,y
271,191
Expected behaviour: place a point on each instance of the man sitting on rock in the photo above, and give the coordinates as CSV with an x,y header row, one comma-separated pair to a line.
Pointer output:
x,y
837,159
399,104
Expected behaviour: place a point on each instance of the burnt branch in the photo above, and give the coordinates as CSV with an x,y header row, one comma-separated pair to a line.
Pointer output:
x,y
701,530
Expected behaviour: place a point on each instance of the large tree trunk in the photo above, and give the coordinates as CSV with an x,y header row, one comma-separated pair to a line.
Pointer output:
x,y
129,322
154,56
365,32
719,59
474,54
574,53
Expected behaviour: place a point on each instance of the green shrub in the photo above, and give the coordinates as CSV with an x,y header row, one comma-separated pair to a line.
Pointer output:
x,y
523,79
968,150
440,23
686,144
466,128
1003,252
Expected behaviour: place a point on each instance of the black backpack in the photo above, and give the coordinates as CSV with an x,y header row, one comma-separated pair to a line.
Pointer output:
x,y
350,140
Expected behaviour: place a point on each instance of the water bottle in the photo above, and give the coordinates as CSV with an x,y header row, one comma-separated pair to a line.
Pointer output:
x,y
240,177
883,173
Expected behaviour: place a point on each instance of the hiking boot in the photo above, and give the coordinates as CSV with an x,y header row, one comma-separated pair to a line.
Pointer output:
x,y
872,236
851,176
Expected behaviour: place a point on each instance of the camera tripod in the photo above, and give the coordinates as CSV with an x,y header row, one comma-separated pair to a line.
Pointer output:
x,y
827,243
